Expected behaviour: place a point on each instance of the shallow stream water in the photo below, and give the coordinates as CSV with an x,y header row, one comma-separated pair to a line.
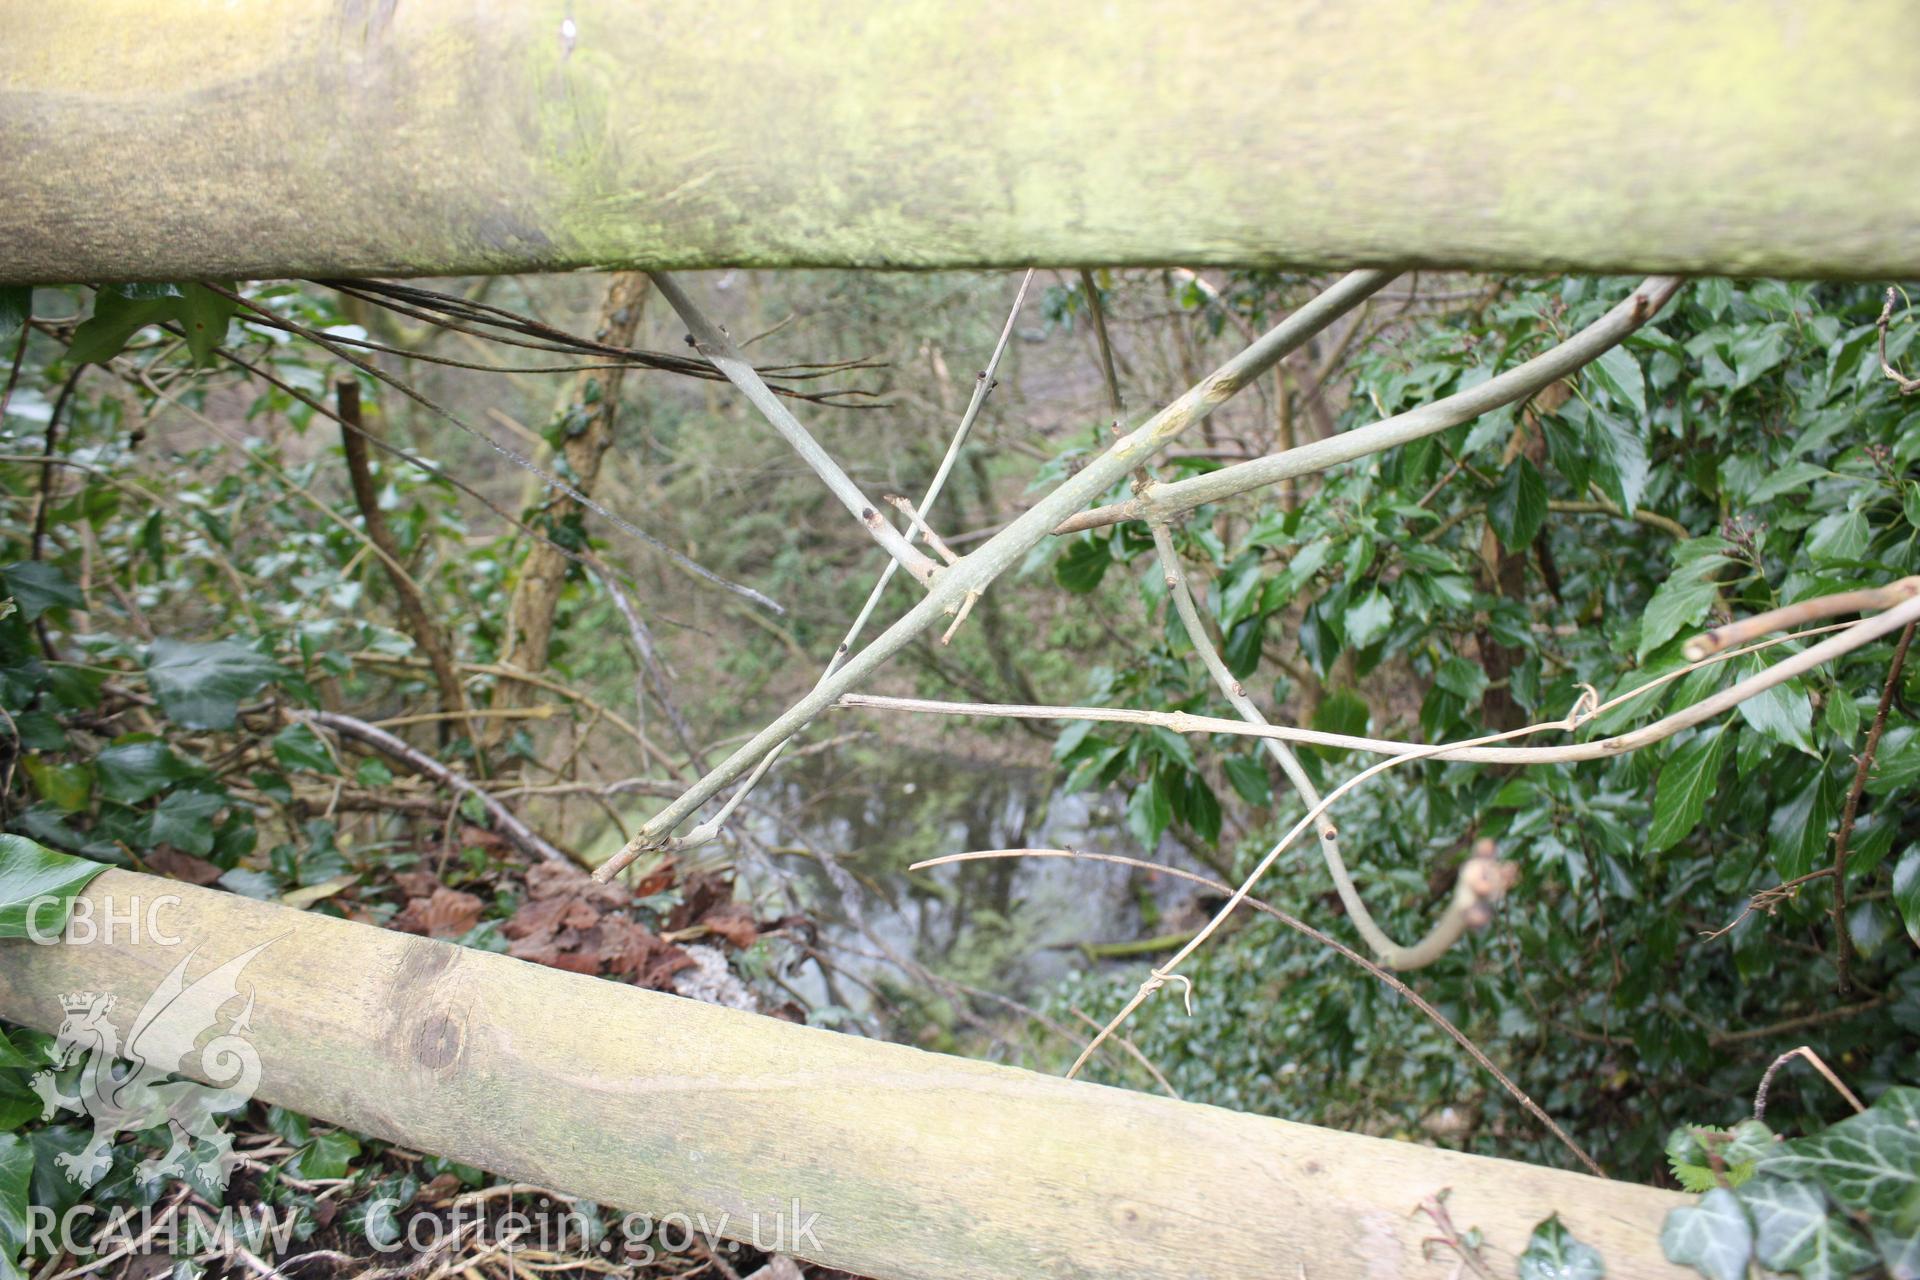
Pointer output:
x,y
1011,925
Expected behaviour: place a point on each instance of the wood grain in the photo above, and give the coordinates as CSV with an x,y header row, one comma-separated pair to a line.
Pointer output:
x,y
918,1165
201,139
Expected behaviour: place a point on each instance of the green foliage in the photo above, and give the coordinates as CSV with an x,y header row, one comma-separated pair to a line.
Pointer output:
x,y
120,311
1826,1206
36,886
1755,416
1553,1253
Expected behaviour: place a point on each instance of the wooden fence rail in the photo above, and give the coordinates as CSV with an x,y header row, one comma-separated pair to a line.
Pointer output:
x,y
200,139
916,1164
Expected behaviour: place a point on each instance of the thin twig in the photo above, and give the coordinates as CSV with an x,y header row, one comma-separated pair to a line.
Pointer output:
x,y
500,325
38,541
1842,947
13,369
524,837
1098,313
1804,1051
1652,519
548,479
1721,1039
1907,385
444,477
1768,900
711,341
1451,924
1133,1051
1851,636
413,607
1582,712
1405,992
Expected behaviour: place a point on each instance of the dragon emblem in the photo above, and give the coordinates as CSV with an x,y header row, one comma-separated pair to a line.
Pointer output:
x,y
127,1089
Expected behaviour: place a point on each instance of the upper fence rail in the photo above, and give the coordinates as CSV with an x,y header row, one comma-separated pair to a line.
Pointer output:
x,y
202,140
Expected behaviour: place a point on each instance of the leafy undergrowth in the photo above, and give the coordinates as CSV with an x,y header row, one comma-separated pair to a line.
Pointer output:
x,y
1835,1203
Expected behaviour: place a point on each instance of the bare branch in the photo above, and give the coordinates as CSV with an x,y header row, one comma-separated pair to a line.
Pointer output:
x,y
1445,930
1798,615
412,605
983,386
1907,385
1842,945
1006,548
1850,637
1164,501
712,342
1804,1051
1302,927
524,837
518,459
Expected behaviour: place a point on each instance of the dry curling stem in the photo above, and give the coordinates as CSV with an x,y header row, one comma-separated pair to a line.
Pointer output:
x,y
1484,879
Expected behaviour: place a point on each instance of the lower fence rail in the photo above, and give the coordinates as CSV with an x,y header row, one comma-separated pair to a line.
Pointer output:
x,y
877,1158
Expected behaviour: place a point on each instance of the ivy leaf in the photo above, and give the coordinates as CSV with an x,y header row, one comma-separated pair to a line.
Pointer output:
x,y
1900,1250
16,1179
67,787
1342,712
16,304
1840,537
1793,1230
203,316
1869,1163
1797,830
119,312
11,1057
327,1156
1683,599
298,747
1620,448
37,586
1554,1254
1082,565
1465,680
184,819
1618,374
200,685
1756,351
1519,504
1241,652
1713,1237
1195,804
1686,783
1906,890
129,772
36,886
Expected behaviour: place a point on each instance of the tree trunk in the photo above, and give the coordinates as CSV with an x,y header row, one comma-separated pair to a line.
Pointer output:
x,y
589,423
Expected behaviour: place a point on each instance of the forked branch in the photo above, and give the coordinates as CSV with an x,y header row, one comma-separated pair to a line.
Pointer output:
x,y
1008,547
1166,501
712,342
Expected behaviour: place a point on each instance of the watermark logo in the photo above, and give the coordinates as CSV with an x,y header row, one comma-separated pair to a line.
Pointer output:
x,y
114,922
138,1094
